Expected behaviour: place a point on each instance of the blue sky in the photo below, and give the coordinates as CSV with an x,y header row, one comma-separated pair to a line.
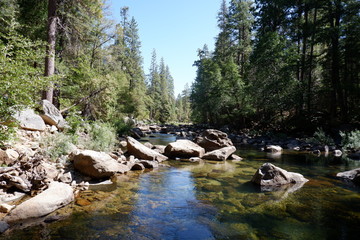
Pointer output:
x,y
175,29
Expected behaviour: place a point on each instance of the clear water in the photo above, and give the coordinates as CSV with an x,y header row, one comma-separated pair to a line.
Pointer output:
x,y
214,200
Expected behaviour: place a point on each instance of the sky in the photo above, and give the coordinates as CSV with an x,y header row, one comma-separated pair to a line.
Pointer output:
x,y
175,29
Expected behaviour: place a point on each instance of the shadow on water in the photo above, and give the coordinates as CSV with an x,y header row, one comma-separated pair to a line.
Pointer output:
x,y
215,200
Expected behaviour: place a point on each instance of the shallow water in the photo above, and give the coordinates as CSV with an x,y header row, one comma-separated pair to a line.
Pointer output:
x,y
214,200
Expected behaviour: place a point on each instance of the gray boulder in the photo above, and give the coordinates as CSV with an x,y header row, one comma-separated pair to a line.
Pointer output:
x,y
212,139
352,175
270,175
221,154
97,164
51,115
140,151
29,120
56,196
184,149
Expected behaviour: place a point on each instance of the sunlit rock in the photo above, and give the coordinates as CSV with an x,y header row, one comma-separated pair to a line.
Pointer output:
x,y
273,149
212,139
270,175
29,120
140,151
51,115
220,154
352,175
56,196
97,164
184,149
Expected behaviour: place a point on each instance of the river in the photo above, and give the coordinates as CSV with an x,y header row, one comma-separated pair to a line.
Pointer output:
x,y
214,200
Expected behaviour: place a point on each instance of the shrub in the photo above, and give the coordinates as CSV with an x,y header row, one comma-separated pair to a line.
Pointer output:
x,y
98,136
321,138
350,140
122,127
54,146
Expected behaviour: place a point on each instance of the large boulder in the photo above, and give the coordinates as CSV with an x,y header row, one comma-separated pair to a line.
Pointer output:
x,y
29,120
56,196
212,139
184,149
140,151
352,175
97,164
51,115
270,175
220,154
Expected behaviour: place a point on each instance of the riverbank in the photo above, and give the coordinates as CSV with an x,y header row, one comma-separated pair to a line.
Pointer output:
x,y
32,180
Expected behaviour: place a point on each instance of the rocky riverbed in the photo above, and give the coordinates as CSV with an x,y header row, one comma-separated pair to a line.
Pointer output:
x,y
33,186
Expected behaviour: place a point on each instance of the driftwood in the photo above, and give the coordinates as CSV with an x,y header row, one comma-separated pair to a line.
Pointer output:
x,y
32,174
92,94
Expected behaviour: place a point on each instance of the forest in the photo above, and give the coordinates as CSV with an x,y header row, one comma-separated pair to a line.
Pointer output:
x,y
290,65
88,66
281,65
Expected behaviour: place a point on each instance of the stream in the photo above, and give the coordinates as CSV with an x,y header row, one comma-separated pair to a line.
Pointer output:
x,y
214,200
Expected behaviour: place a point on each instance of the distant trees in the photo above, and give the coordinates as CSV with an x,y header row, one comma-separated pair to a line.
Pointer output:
x,y
161,91
296,65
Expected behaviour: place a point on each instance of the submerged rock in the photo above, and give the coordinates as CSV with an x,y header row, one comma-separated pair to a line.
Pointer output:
x,y
212,139
56,196
270,175
352,175
184,149
140,151
97,164
220,154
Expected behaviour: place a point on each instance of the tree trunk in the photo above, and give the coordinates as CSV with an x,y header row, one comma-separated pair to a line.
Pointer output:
x,y
312,43
50,50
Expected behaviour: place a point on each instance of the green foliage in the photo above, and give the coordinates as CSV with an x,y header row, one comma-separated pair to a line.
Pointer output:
x,y
99,136
21,75
321,138
350,140
56,145
122,128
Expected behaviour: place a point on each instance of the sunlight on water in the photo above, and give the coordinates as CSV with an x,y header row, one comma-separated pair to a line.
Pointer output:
x,y
214,200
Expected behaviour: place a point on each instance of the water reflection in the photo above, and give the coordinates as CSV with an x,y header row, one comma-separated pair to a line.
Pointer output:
x,y
215,200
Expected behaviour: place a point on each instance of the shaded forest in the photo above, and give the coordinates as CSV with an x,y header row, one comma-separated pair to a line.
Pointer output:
x,y
291,65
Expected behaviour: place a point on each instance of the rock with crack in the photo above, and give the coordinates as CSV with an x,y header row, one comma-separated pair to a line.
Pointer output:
x,y
140,151
270,175
56,196
184,149
220,154
51,115
97,164
212,139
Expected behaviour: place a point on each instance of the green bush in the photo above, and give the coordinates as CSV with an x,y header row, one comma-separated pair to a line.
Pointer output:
x,y
350,140
122,128
97,136
321,138
54,146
